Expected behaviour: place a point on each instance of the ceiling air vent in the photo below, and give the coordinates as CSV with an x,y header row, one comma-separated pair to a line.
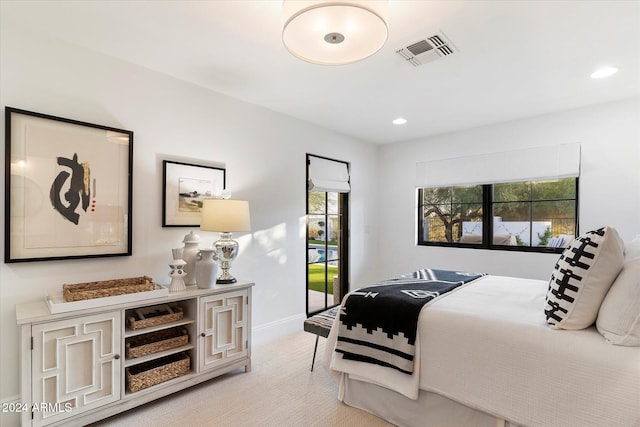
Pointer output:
x,y
426,50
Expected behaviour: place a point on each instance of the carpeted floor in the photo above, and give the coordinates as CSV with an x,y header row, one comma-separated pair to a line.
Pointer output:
x,y
279,391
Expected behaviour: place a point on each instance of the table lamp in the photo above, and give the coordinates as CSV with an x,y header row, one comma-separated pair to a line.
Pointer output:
x,y
225,216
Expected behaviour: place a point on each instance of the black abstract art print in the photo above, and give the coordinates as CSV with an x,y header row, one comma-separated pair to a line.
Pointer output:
x,y
68,188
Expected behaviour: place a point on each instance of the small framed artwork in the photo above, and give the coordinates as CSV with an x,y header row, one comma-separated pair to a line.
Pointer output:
x,y
68,187
185,186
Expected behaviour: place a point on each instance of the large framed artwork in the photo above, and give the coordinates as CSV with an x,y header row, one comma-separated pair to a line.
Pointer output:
x,y
185,186
68,188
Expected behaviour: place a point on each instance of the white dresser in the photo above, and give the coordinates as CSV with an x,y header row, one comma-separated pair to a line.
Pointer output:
x,y
81,366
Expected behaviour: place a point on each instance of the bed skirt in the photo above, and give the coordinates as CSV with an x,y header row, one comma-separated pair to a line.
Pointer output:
x,y
430,409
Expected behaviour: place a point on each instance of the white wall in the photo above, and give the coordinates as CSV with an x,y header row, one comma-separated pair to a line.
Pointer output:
x,y
263,152
609,135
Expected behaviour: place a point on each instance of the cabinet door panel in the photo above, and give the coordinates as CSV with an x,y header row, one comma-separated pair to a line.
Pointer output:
x,y
75,366
224,329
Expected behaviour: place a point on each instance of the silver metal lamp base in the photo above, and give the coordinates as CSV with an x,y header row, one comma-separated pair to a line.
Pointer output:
x,y
227,250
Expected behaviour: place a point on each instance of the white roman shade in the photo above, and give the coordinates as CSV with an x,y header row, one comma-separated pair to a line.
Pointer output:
x,y
531,164
328,175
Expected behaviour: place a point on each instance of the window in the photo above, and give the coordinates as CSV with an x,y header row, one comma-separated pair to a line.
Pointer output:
x,y
446,210
327,233
529,215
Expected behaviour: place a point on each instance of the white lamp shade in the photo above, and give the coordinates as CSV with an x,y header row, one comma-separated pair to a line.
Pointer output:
x,y
334,32
225,215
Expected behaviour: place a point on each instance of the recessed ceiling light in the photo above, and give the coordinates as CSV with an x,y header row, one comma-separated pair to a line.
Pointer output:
x,y
604,72
399,121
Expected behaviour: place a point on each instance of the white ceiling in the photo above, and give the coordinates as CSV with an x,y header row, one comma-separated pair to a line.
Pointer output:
x,y
515,58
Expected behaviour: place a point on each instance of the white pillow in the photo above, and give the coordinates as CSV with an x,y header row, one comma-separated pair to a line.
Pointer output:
x,y
581,278
632,249
619,316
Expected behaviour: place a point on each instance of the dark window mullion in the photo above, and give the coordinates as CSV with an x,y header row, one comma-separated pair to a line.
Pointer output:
x,y
531,214
326,251
575,215
343,275
451,215
487,215
326,247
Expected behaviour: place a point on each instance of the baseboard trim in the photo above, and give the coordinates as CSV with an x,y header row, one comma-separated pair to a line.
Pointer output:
x,y
267,332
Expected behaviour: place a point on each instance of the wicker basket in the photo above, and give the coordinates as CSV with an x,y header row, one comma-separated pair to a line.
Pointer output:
x,y
154,372
154,342
107,288
153,316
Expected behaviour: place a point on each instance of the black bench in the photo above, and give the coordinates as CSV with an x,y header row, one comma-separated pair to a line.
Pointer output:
x,y
320,325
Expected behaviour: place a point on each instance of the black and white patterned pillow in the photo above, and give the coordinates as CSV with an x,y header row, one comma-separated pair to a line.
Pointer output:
x,y
581,278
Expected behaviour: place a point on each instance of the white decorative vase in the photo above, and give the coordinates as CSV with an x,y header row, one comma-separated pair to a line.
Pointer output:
x,y
177,272
206,268
189,255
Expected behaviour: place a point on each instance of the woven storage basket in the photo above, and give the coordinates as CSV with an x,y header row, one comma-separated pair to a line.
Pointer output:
x,y
156,315
154,342
154,372
107,288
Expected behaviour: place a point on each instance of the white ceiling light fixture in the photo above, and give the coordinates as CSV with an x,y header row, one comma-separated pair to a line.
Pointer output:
x,y
334,32
399,121
603,72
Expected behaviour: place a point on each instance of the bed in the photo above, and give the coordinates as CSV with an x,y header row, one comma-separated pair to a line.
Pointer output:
x,y
488,354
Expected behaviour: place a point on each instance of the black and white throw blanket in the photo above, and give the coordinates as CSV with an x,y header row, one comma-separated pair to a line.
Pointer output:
x,y
378,323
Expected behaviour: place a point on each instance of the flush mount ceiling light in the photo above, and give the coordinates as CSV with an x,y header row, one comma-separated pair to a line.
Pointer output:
x,y
603,72
399,121
334,32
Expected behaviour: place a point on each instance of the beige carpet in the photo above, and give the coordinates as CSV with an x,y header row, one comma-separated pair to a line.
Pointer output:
x,y
279,391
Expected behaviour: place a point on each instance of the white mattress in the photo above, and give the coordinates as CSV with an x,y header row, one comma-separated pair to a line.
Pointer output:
x,y
487,345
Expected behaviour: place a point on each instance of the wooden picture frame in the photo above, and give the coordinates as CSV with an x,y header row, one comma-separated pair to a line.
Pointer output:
x,y
68,188
185,185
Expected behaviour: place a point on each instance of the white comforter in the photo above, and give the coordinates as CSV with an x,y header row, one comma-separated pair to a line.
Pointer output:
x,y
487,345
